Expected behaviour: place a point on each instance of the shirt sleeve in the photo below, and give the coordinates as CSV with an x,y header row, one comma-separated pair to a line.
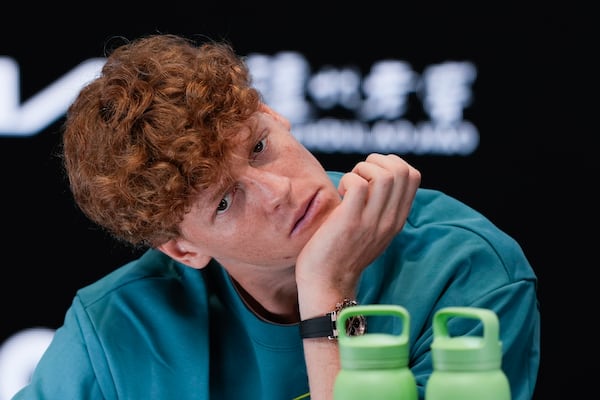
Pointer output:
x,y
66,356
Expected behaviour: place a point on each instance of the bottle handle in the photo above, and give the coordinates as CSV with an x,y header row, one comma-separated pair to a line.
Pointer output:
x,y
488,318
365,310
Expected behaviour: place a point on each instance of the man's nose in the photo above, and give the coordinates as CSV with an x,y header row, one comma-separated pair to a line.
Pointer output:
x,y
271,189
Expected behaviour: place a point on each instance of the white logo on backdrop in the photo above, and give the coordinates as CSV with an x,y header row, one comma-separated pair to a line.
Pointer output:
x,y
45,107
376,103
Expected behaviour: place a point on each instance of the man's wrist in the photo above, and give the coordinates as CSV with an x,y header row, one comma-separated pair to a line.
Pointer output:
x,y
326,325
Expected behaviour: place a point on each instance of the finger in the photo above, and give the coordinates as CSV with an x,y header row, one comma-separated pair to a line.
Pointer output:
x,y
355,190
380,173
392,185
403,173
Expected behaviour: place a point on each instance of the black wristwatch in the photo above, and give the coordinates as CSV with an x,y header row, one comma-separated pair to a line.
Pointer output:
x,y
325,326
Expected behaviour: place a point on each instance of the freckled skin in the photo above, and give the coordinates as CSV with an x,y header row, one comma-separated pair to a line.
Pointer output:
x,y
270,190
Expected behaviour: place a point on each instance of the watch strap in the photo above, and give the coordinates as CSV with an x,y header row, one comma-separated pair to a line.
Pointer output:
x,y
318,327
325,325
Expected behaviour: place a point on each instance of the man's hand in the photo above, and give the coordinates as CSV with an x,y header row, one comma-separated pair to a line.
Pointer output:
x,y
377,198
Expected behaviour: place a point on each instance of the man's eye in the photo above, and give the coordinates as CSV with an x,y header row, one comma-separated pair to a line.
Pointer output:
x,y
260,146
224,204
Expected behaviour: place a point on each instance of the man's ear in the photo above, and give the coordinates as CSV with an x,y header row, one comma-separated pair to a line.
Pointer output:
x,y
185,253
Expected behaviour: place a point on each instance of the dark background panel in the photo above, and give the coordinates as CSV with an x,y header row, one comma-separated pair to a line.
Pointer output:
x,y
522,176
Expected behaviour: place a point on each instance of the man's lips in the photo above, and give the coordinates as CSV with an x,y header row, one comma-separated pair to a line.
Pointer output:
x,y
304,214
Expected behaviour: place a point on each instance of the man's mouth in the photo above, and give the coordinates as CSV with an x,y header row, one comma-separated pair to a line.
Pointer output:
x,y
304,215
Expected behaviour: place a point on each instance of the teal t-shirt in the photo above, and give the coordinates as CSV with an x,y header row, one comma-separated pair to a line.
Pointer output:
x,y
157,329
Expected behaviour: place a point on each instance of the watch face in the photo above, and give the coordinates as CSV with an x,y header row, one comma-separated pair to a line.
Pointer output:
x,y
356,325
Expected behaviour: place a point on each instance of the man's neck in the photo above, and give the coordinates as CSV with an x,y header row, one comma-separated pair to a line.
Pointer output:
x,y
273,302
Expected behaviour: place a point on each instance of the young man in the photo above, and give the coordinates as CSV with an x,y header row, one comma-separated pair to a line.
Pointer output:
x,y
171,148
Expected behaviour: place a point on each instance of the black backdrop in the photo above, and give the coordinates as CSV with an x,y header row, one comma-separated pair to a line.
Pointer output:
x,y
522,175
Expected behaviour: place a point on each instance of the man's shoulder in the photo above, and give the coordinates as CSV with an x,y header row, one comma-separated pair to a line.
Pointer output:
x,y
151,265
442,205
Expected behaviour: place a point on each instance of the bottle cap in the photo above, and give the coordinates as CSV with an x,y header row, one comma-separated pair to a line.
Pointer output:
x,y
374,350
479,350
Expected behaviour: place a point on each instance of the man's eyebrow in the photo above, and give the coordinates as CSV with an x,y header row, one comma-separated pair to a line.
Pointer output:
x,y
247,135
216,191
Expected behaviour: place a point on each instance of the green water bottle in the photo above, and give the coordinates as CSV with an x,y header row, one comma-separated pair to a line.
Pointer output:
x,y
466,367
374,366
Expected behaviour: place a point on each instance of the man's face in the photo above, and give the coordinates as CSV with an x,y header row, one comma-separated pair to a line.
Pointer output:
x,y
280,196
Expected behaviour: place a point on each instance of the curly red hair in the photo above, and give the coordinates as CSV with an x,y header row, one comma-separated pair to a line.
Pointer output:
x,y
155,128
